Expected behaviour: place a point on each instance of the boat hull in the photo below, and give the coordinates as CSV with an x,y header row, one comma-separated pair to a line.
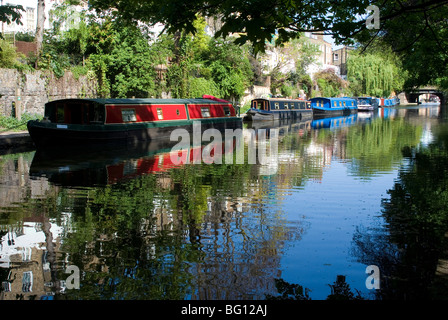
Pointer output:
x,y
261,115
366,108
333,112
48,135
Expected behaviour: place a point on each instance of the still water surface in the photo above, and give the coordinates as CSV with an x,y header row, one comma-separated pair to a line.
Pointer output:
x,y
341,196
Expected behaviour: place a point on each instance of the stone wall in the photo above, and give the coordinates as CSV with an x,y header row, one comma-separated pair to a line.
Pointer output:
x,y
255,92
29,91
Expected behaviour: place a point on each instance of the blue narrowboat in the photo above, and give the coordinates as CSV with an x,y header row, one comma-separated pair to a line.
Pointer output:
x,y
278,109
334,106
391,102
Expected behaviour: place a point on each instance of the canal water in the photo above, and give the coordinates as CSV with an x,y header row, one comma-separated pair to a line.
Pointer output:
x,y
346,208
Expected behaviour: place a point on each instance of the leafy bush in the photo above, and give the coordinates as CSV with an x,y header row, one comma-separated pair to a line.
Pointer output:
x,y
8,55
14,124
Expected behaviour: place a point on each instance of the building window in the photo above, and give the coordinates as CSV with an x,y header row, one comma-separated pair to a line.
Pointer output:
x,y
128,115
26,254
205,111
6,286
27,281
336,57
30,19
160,113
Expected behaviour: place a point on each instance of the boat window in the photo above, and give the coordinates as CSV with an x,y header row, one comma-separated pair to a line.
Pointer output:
x,y
335,104
277,106
159,113
60,115
95,114
128,115
340,103
227,111
344,104
205,111
286,106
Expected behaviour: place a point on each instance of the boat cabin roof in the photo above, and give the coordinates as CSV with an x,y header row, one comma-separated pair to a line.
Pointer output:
x,y
136,101
280,99
333,99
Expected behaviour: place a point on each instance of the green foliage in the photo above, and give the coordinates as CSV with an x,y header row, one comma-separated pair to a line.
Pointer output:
x,y
11,13
130,65
8,55
14,124
256,21
215,67
330,84
374,74
200,86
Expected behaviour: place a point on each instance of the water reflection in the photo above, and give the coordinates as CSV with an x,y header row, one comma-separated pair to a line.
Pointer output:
x,y
342,194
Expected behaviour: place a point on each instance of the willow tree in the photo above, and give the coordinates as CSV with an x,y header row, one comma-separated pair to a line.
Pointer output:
x,y
373,74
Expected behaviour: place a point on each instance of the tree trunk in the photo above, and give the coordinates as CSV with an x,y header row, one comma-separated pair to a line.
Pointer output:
x,y
40,27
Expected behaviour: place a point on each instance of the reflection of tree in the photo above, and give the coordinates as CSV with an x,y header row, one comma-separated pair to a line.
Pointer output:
x,y
340,290
289,291
378,145
408,250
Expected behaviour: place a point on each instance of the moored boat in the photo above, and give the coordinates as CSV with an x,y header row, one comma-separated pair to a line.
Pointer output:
x,y
333,106
367,104
86,121
278,109
391,102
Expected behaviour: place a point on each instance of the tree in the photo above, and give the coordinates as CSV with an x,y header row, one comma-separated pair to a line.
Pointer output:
x,y
40,25
330,84
259,20
374,73
416,29
11,13
418,37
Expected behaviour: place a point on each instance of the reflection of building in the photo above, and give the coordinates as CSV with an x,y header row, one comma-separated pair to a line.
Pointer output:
x,y
23,254
22,246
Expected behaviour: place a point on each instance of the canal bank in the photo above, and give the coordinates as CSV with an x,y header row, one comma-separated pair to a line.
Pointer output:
x,y
12,142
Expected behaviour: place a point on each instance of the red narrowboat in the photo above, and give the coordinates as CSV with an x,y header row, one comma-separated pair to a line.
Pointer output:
x,y
81,121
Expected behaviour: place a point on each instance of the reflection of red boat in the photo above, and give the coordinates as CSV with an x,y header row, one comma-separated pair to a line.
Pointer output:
x,y
161,162
113,165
